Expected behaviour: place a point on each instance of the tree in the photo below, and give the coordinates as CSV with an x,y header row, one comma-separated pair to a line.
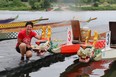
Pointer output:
x,y
111,1
78,2
95,3
11,3
32,3
39,4
24,0
45,4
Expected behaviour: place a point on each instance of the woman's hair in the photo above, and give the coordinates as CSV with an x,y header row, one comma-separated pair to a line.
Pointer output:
x,y
29,23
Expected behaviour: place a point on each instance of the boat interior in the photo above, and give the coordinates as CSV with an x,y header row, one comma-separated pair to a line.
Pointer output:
x,y
112,28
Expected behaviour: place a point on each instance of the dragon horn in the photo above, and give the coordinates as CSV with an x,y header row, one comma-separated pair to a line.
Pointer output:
x,y
95,37
88,36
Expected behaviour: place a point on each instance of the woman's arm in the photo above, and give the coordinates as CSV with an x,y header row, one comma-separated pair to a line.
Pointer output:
x,y
19,41
38,37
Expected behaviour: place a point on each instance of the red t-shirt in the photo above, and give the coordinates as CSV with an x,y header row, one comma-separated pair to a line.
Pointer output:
x,y
26,38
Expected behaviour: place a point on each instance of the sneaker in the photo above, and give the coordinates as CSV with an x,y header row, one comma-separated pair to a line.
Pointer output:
x,y
27,60
22,60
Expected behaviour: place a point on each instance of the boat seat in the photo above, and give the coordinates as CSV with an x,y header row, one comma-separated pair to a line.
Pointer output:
x,y
76,42
76,31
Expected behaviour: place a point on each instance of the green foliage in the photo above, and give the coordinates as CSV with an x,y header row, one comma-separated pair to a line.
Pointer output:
x,y
95,4
16,3
3,3
15,8
106,4
13,3
32,3
99,8
46,4
39,4
102,1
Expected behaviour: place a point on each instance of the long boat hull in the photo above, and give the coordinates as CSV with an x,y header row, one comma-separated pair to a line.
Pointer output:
x,y
11,33
18,24
3,21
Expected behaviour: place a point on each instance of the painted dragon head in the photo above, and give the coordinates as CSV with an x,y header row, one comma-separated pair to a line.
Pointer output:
x,y
41,48
86,53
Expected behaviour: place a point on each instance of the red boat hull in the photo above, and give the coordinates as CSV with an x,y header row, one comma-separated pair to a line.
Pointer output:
x,y
70,49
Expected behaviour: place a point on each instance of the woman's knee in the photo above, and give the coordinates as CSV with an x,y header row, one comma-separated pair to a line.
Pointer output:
x,y
22,45
22,48
28,54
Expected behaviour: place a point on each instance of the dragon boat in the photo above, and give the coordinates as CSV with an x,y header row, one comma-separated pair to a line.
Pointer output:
x,y
91,49
10,30
85,50
19,24
3,21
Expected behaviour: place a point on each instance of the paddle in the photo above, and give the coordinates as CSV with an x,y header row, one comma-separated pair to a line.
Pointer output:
x,y
90,19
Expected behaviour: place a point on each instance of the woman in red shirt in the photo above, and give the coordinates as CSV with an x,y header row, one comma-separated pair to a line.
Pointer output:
x,y
24,41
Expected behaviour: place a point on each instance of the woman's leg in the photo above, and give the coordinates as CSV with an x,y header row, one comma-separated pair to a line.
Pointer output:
x,y
22,48
28,55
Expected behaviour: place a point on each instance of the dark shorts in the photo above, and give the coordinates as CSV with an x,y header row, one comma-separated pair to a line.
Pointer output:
x,y
18,50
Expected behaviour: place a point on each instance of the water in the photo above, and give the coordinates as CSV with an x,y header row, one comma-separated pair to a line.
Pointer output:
x,y
53,70
103,17
72,68
69,67
92,69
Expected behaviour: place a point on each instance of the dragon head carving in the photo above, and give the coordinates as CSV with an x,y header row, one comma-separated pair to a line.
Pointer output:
x,y
86,53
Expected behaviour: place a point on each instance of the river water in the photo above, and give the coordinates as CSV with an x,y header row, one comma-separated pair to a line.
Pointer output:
x,y
103,17
69,67
102,21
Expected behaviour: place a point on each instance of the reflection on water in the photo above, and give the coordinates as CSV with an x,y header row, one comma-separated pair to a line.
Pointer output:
x,y
36,66
25,75
91,69
111,72
72,68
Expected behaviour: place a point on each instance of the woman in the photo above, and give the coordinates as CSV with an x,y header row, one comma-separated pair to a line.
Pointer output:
x,y
24,41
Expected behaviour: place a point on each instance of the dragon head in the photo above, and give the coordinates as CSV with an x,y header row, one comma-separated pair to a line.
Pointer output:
x,y
44,46
85,53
